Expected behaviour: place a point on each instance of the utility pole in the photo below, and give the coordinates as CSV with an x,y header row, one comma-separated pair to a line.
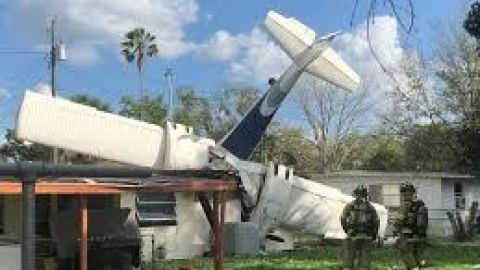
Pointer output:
x,y
57,52
169,78
52,66
53,57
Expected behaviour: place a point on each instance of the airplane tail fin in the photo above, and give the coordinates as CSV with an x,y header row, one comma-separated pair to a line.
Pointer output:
x,y
308,53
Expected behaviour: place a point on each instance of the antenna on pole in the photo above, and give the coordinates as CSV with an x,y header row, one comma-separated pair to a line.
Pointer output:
x,y
169,75
57,53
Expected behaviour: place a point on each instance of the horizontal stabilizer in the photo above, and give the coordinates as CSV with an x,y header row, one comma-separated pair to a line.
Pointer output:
x,y
294,38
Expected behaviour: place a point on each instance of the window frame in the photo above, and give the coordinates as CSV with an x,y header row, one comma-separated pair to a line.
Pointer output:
x,y
163,205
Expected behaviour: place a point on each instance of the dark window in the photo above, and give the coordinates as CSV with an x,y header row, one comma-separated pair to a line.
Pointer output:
x,y
156,209
66,203
42,212
101,201
459,196
2,230
375,193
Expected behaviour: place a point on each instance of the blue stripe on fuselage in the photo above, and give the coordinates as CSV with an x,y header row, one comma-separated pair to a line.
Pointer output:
x,y
246,135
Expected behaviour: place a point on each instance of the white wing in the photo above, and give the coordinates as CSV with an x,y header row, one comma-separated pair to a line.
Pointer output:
x,y
61,123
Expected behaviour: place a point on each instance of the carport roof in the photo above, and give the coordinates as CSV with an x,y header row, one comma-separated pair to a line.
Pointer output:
x,y
67,186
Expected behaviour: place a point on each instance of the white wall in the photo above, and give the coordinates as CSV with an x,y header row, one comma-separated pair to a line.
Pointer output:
x,y
191,236
429,189
471,191
10,257
12,216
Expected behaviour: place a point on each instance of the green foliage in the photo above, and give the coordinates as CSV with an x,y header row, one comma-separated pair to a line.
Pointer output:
x,y
389,155
288,146
432,148
91,101
136,46
193,111
460,74
229,109
447,94
148,109
241,99
469,138
19,151
445,257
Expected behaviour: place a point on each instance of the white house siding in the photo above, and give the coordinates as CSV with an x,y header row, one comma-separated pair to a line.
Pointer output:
x,y
475,192
435,189
12,216
191,236
471,191
430,190
448,201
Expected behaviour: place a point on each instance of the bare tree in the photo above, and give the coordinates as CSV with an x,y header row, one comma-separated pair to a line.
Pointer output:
x,y
402,10
333,116
417,100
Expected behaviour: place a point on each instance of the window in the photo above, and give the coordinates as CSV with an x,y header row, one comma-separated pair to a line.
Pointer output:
x,y
391,195
459,196
156,209
387,194
375,193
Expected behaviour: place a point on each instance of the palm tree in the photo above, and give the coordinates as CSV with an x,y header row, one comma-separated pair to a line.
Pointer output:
x,y
137,44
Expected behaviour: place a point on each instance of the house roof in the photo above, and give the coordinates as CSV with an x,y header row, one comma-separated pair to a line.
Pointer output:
x,y
380,174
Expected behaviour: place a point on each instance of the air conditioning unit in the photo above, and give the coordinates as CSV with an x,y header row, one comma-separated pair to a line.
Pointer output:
x,y
241,238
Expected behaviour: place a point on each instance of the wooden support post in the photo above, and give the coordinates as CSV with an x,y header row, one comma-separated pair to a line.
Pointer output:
x,y
216,235
207,208
221,223
83,233
219,205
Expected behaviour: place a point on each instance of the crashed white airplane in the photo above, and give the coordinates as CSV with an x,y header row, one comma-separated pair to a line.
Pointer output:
x,y
276,198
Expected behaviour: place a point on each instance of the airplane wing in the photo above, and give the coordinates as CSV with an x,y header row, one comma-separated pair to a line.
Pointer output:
x,y
294,37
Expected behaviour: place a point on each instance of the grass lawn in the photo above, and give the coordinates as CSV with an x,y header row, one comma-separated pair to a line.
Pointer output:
x,y
440,256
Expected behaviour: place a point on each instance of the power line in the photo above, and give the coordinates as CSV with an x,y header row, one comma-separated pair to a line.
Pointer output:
x,y
10,52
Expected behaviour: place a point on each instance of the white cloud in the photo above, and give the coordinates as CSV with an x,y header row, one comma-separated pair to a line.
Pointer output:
x,y
251,56
354,49
85,55
221,46
261,58
255,57
89,23
42,88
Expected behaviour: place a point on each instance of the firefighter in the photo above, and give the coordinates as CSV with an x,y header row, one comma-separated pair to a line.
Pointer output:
x,y
411,227
360,222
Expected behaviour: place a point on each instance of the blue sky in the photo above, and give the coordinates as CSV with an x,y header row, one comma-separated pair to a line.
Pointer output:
x,y
210,45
